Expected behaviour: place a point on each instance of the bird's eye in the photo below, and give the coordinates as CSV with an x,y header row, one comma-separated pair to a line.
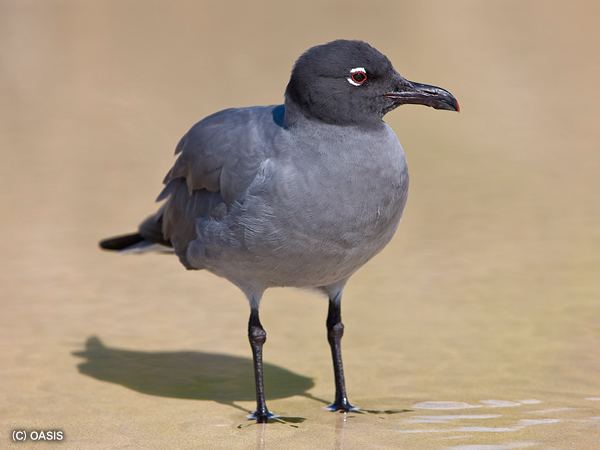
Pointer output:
x,y
358,76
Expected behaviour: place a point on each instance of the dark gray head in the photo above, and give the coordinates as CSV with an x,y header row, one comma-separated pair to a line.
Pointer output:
x,y
351,83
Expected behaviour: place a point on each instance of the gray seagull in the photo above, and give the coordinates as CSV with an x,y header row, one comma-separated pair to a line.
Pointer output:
x,y
300,194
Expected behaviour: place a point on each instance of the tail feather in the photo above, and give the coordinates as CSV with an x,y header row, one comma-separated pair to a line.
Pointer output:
x,y
147,247
121,242
148,238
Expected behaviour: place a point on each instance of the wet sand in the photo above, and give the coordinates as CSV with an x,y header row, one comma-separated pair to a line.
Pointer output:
x,y
477,328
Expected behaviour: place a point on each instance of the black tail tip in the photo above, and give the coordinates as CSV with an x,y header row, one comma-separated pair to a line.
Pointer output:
x,y
120,242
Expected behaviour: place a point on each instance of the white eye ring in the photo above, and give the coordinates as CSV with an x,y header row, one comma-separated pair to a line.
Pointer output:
x,y
357,70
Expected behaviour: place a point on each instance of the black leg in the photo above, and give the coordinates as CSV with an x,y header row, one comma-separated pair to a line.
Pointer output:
x,y
257,336
335,331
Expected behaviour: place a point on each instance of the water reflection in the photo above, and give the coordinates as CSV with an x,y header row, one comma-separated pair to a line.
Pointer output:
x,y
475,423
340,428
261,429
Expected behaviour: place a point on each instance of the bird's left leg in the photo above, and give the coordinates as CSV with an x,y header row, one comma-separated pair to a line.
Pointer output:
x,y
257,337
335,331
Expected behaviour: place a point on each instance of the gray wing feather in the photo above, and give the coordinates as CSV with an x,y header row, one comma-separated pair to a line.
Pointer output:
x,y
217,159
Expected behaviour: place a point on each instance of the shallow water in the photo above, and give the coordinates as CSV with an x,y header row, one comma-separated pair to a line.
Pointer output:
x,y
476,329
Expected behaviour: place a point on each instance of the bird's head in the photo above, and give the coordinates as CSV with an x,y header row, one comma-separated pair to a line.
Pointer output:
x,y
351,83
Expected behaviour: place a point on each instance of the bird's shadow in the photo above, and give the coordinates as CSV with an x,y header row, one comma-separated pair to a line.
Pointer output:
x,y
186,374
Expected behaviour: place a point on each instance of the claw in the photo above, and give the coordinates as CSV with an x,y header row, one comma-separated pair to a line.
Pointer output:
x,y
342,407
262,417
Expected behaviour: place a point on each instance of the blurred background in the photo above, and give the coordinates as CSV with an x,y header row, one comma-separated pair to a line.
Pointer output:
x,y
478,325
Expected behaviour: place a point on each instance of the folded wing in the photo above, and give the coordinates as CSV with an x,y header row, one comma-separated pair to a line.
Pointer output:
x,y
217,159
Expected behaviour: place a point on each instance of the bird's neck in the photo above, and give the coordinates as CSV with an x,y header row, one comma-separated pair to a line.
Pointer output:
x,y
296,115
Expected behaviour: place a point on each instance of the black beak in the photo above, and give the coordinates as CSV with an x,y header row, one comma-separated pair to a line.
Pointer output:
x,y
423,94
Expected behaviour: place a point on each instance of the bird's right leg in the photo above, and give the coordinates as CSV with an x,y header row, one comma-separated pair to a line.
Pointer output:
x,y
257,337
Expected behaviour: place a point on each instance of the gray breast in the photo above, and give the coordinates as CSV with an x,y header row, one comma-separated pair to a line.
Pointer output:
x,y
316,214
